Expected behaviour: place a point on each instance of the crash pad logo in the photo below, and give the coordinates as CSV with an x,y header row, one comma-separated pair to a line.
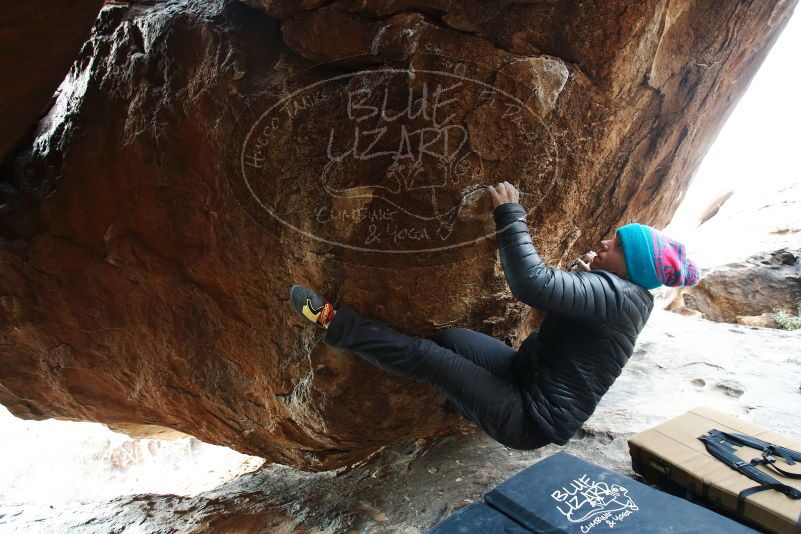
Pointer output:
x,y
388,161
592,503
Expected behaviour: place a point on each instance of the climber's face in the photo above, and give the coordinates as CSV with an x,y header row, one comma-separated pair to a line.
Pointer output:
x,y
610,257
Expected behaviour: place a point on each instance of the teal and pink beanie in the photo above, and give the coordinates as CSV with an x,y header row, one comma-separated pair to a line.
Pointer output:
x,y
654,259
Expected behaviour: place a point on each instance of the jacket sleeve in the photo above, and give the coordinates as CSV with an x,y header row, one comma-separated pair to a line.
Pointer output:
x,y
587,295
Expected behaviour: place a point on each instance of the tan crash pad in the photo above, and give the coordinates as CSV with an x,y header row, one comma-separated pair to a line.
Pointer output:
x,y
670,455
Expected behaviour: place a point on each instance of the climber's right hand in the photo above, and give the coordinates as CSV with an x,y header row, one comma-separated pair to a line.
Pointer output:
x,y
502,193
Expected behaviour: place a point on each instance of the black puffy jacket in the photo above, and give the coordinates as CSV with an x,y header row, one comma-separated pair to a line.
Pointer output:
x,y
587,336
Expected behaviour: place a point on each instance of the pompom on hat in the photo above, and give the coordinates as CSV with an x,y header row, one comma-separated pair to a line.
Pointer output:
x,y
654,259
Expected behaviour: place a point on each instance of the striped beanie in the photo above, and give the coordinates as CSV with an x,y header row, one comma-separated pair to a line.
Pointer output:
x,y
654,259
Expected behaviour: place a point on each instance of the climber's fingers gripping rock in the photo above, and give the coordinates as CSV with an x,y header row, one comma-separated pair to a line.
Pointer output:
x,y
584,263
502,193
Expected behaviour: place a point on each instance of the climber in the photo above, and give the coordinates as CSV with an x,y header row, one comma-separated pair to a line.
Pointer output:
x,y
544,391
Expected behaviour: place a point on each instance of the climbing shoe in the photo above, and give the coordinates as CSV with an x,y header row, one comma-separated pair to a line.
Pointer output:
x,y
311,305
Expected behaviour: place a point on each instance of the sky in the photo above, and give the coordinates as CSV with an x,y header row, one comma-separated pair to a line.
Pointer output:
x,y
758,147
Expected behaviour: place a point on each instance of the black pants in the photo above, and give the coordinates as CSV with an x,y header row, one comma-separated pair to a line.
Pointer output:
x,y
470,368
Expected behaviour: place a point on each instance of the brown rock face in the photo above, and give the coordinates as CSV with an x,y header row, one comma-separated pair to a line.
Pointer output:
x,y
38,43
763,320
208,155
742,292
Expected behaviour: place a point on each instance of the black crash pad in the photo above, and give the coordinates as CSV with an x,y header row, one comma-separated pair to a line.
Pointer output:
x,y
567,495
478,517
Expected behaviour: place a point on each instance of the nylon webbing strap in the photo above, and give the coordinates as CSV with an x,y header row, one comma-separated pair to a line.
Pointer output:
x,y
756,489
768,451
768,461
720,445
790,456
750,491
722,450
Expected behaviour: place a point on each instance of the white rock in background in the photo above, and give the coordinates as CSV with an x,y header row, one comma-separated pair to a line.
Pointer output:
x,y
746,291
50,462
749,256
748,224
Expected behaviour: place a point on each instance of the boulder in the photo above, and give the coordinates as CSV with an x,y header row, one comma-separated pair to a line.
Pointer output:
x,y
757,219
204,156
763,320
751,288
31,66
749,256
714,207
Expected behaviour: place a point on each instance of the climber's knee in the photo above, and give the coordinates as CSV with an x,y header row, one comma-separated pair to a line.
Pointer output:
x,y
445,337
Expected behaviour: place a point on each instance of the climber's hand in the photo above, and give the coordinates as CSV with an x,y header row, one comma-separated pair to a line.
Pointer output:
x,y
585,265
502,193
